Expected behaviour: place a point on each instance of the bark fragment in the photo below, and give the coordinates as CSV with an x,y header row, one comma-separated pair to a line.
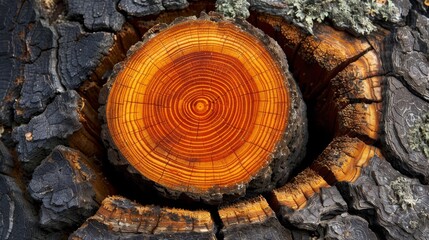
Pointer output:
x,y
379,194
70,188
18,219
96,15
403,111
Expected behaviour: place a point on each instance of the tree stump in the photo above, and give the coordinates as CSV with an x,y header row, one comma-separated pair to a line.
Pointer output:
x,y
206,107
365,170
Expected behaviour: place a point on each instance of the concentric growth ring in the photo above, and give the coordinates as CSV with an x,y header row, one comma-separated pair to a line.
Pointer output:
x,y
201,105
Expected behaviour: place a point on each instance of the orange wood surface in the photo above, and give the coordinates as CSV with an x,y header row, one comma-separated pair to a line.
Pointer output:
x,y
200,105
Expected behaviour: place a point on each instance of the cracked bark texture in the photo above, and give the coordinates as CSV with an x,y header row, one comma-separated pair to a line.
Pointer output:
x,y
396,205
69,187
49,48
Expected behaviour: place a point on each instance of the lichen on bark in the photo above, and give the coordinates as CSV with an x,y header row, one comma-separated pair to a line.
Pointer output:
x,y
233,8
355,16
419,136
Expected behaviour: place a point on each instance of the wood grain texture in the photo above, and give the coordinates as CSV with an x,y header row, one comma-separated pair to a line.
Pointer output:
x,y
119,217
295,193
344,159
325,203
210,115
251,219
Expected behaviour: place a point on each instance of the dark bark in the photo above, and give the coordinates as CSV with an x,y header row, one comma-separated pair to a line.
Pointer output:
x,y
96,15
403,111
18,219
347,226
42,56
70,188
320,208
47,130
395,205
79,53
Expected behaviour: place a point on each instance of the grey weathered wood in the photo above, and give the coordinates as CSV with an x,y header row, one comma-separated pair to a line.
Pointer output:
x,y
79,53
6,160
47,130
321,206
96,15
402,112
40,80
142,8
395,205
69,187
409,54
15,19
270,229
18,219
346,226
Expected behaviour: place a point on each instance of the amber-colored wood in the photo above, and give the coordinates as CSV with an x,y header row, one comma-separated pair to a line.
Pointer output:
x,y
295,193
360,119
251,219
255,210
287,35
202,105
326,53
120,217
343,159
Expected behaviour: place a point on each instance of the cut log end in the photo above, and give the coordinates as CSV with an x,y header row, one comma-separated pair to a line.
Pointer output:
x,y
204,105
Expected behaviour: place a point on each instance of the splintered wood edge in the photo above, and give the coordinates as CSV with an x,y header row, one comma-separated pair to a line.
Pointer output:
x,y
124,216
251,211
344,159
295,193
252,172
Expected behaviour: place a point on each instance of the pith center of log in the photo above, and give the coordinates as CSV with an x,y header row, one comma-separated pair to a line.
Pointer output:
x,y
204,106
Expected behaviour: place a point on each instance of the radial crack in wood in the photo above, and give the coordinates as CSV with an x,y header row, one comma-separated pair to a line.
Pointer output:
x,y
251,219
119,217
214,109
326,53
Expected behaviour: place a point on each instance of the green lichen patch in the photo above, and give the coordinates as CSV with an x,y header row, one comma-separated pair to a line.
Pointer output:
x,y
356,15
419,136
233,8
403,192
